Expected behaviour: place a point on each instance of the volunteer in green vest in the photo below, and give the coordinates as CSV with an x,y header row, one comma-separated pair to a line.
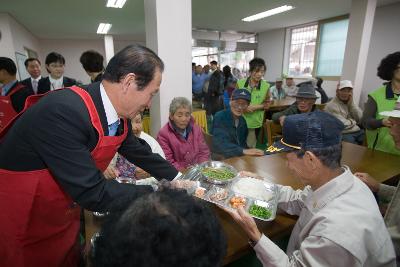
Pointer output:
x,y
259,90
383,99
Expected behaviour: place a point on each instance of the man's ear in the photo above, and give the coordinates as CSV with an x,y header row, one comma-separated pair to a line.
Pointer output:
x,y
311,160
128,81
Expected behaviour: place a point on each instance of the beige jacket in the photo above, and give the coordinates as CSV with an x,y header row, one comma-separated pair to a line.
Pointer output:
x,y
349,114
339,225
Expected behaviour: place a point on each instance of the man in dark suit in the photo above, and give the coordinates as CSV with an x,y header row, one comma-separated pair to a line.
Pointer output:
x,y
55,64
12,93
58,150
92,62
32,66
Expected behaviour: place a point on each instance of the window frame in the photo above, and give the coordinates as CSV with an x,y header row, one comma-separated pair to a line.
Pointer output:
x,y
288,40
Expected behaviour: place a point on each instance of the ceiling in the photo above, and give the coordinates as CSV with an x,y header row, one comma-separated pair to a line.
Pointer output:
x,y
78,19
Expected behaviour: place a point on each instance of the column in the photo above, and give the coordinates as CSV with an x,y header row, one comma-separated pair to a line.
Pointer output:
x,y
169,34
109,47
357,44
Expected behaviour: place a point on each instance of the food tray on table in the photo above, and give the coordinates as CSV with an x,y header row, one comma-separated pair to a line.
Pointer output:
x,y
258,197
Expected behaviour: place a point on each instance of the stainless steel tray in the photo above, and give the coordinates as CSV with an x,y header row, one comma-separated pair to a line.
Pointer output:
x,y
209,190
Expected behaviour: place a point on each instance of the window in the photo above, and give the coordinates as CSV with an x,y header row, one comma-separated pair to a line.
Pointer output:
x,y
316,49
302,50
236,60
331,48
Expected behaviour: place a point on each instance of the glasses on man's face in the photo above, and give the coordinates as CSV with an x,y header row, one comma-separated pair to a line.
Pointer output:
x,y
239,106
305,100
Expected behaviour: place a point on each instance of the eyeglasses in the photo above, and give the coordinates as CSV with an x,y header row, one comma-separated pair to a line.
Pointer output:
x,y
305,100
237,106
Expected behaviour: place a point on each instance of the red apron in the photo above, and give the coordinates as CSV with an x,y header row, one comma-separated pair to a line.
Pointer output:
x,y
7,111
39,222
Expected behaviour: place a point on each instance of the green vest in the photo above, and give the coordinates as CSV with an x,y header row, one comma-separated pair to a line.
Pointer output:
x,y
384,141
255,119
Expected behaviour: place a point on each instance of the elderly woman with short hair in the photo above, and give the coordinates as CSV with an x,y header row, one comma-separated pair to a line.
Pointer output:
x,y
181,139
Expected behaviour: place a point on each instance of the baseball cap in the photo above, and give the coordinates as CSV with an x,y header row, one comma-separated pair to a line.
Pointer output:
x,y
310,130
345,84
395,112
279,79
241,94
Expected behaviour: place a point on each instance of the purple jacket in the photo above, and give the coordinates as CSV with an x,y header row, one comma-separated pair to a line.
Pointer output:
x,y
182,152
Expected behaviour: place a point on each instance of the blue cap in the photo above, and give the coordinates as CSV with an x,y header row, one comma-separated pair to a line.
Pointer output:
x,y
241,94
310,130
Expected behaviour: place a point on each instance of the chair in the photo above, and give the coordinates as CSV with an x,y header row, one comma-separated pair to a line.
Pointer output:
x,y
274,131
208,140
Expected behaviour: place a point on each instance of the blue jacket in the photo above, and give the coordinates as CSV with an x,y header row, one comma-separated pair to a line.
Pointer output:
x,y
227,139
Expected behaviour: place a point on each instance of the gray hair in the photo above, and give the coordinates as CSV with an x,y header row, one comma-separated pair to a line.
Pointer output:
x,y
179,102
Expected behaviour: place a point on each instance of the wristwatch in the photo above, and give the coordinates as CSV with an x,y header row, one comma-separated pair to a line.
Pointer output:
x,y
252,243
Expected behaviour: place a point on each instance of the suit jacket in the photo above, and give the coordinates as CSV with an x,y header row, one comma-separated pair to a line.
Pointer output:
x,y
18,98
28,83
44,84
56,133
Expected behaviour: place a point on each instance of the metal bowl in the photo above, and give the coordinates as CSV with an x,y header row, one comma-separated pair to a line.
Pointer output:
x,y
218,165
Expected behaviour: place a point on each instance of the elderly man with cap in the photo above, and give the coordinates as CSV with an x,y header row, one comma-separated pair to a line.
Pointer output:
x,y
339,221
289,87
343,108
230,128
387,193
305,102
277,91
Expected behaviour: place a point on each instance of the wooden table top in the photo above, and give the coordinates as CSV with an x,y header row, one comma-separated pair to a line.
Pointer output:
x,y
380,165
282,103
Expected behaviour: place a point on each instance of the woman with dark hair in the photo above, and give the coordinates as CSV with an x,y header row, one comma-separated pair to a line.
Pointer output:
x,y
229,84
55,64
92,62
260,94
383,99
164,228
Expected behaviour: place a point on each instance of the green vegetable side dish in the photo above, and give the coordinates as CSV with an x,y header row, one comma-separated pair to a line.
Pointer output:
x,y
218,174
260,212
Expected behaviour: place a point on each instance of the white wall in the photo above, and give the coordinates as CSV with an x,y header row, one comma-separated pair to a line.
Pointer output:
x,y
6,41
15,38
385,39
271,49
71,50
121,44
23,38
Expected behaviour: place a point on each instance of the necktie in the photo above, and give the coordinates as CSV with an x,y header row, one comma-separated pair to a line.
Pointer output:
x,y
34,85
112,128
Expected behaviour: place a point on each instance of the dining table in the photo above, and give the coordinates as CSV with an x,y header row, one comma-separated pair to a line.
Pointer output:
x,y
281,104
382,166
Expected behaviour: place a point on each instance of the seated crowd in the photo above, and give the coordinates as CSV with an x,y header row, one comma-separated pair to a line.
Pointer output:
x,y
339,218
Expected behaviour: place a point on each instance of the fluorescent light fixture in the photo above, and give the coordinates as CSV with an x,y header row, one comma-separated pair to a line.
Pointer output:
x,y
268,13
103,28
115,3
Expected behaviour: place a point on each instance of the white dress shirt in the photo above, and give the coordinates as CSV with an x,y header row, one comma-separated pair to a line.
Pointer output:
x,y
339,225
56,83
111,113
35,83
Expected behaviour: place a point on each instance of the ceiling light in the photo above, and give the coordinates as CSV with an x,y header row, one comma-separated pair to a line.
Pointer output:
x,y
103,28
115,3
268,13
